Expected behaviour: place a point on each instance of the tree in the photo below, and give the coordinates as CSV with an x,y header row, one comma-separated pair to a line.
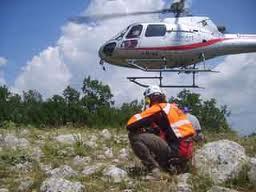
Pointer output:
x,y
33,103
4,98
71,95
75,113
55,110
96,94
211,117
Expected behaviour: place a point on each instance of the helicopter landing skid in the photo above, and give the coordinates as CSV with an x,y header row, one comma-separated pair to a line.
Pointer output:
x,y
192,70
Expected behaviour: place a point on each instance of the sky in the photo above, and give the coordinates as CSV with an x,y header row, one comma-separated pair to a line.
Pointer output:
x,y
40,49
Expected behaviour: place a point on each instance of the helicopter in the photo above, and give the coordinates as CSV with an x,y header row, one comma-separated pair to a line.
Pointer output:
x,y
175,44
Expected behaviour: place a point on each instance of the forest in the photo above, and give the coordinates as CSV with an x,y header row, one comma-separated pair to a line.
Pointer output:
x,y
94,106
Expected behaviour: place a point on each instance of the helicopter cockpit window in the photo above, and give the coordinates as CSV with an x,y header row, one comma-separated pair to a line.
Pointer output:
x,y
155,31
134,32
120,35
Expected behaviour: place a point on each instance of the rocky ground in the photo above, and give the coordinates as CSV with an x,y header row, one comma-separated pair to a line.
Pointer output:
x,y
74,160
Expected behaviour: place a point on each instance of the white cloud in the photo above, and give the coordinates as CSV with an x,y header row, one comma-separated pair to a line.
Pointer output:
x,y
3,61
46,73
235,86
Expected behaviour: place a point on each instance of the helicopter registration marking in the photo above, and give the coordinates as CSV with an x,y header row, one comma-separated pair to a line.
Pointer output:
x,y
150,53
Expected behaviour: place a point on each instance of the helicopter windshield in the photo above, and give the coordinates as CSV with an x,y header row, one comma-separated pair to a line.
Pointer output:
x,y
120,35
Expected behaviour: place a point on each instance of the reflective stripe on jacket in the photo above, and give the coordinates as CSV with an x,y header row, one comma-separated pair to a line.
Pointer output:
x,y
176,119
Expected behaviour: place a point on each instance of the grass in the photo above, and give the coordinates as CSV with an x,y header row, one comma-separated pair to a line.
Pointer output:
x,y
56,154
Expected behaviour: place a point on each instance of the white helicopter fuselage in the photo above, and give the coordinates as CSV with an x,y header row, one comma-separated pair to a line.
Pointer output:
x,y
175,42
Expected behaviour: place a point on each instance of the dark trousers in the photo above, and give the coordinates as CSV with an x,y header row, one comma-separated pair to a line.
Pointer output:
x,y
151,150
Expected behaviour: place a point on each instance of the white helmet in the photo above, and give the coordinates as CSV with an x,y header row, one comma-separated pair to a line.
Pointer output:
x,y
153,89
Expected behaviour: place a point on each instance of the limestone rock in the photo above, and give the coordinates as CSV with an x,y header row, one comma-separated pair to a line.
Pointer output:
x,y
101,157
11,141
221,189
25,185
37,153
115,174
68,139
24,132
4,190
59,184
252,172
105,134
64,171
183,184
221,160
124,154
108,152
23,167
80,161
93,138
45,168
89,170
91,144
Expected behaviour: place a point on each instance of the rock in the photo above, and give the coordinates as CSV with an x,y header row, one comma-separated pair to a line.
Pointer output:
x,y
39,143
108,153
80,161
93,138
67,152
59,184
37,153
252,171
115,174
11,141
101,157
64,171
221,160
105,134
23,167
221,189
45,168
124,154
4,190
183,184
68,139
89,170
91,144
115,161
25,185
24,132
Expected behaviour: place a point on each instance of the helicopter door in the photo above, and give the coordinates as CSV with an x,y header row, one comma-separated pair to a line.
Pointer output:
x,y
180,35
154,36
132,37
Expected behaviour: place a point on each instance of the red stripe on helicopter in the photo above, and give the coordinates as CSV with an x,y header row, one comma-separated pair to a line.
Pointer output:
x,y
184,47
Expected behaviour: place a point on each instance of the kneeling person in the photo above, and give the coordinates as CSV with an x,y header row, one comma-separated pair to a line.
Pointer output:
x,y
170,135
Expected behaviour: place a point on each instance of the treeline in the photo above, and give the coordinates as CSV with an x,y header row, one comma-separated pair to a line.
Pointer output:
x,y
93,107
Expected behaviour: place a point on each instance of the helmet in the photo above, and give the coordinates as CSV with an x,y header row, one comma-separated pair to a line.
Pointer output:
x,y
153,89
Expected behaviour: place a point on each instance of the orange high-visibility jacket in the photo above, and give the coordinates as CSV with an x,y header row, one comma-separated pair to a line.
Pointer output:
x,y
174,119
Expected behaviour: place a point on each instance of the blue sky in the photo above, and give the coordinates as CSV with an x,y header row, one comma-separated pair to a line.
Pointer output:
x,y
29,26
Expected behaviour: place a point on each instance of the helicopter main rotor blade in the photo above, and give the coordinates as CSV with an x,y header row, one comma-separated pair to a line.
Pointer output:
x,y
85,19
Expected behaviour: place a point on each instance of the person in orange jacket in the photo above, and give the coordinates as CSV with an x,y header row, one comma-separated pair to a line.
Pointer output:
x,y
160,133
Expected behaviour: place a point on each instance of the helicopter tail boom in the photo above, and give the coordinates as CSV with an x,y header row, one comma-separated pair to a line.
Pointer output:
x,y
239,43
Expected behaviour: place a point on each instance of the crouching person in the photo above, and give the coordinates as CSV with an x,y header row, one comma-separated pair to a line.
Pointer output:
x,y
161,135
